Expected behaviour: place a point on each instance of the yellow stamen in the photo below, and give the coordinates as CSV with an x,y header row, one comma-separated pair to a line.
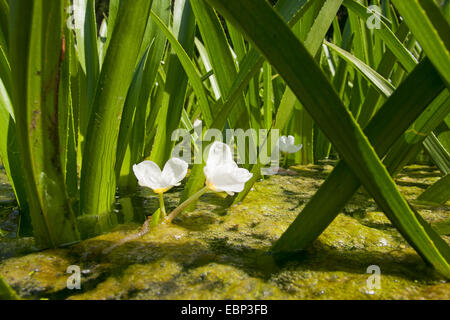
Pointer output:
x,y
160,190
210,186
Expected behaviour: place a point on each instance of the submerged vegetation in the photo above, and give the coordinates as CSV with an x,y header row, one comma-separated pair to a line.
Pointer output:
x,y
93,105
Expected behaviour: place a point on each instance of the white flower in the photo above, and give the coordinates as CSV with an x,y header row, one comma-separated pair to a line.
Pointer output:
x,y
287,145
222,173
149,174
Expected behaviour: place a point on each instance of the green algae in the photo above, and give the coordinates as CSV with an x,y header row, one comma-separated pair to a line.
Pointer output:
x,y
213,253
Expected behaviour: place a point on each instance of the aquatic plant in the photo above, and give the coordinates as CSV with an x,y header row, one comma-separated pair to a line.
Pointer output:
x,y
81,105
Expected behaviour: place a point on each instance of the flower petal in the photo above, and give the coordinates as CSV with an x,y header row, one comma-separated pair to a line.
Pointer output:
x,y
227,177
174,171
290,140
148,174
282,140
282,144
294,148
219,153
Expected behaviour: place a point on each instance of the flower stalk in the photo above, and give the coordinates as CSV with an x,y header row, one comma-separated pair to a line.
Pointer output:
x,y
161,205
186,203
286,144
285,160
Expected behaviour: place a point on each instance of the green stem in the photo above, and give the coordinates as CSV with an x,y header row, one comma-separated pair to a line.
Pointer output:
x,y
285,161
183,206
161,205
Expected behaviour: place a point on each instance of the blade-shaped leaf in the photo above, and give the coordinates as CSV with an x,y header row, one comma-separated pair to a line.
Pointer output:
x,y
301,73
428,24
98,184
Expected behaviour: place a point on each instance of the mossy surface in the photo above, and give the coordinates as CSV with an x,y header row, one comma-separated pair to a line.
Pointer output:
x,y
213,253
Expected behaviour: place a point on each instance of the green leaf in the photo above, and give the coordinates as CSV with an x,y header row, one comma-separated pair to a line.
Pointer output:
x,y
87,51
91,50
66,131
373,98
132,131
438,192
20,22
4,20
382,84
322,23
402,54
429,26
129,117
180,69
114,6
218,49
36,68
6,292
5,69
443,228
268,96
258,21
291,11
401,109
98,183
407,147
154,221
10,157
303,30
438,153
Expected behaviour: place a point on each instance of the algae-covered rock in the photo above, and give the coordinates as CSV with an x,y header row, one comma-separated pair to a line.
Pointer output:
x,y
217,253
